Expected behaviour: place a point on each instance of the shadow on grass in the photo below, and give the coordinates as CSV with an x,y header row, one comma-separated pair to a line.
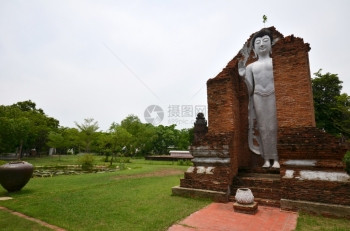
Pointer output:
x,y
25,191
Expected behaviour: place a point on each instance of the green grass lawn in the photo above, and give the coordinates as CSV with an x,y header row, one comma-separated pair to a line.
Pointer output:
x,y
137,198
307,222
9,222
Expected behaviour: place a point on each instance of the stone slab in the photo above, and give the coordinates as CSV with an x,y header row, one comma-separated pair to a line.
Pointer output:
x,y
246,208
200,193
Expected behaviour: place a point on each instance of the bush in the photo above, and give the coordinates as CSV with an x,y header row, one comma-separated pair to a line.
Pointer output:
x,y
184,162
122,166
86,161
347,162
105,159
123,160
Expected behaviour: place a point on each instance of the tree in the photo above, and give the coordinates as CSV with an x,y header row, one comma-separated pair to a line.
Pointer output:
x,y
121,141
184,139
88,131
143,136
56,141
24,127
71,138
332,109
166,137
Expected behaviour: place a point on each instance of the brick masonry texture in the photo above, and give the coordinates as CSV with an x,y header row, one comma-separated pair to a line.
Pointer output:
x,y
218,181
329,192
294,101
298,137
309,143
222,174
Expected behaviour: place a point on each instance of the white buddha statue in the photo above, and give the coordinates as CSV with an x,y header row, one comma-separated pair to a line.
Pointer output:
x,y
262,103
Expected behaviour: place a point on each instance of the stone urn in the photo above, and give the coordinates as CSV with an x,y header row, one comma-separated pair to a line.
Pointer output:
x,y
15,175
244,196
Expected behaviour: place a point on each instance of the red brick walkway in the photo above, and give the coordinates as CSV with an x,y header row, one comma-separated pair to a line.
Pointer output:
x,y
221,217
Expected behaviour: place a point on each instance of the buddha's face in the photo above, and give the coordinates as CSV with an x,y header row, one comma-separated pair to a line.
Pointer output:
x,y
262,45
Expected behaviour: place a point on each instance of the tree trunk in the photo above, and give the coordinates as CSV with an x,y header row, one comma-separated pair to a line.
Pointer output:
x,y
20,150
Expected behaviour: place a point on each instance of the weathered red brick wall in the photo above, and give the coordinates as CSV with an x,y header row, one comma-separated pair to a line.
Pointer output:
x,y
228,110
220,177
330,192
298,138
294,100
219,180
309,143
221,105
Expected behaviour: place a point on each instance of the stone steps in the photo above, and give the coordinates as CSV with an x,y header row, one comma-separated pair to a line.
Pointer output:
x,y
264,183
257,180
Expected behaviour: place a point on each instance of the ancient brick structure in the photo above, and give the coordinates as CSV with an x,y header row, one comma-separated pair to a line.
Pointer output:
x,y
311,160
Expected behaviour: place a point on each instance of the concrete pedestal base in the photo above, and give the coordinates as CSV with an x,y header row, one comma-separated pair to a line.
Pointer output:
x,y
246,208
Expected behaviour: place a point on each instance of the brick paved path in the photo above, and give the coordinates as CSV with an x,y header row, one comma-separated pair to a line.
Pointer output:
x,y
221,217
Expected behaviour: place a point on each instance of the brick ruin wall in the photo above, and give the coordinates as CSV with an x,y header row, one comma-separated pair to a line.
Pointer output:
x,y
216,177
310,143
294,101
315,190
298,138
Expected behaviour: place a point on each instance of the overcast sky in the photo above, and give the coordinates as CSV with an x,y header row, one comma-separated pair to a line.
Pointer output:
x,y
108,59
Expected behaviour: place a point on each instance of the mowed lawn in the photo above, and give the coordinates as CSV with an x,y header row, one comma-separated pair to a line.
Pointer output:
x,y
138,198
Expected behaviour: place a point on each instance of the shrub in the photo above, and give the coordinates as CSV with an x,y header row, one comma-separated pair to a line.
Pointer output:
x,y
184,162
123,160
105,159
86,161
122,166
347,162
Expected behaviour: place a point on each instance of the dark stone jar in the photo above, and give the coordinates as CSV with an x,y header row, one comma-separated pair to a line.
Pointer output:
x,y
15,175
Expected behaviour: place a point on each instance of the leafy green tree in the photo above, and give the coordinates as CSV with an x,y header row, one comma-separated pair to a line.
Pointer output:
x,y
120,140
146,140
166,137
57,141
24,127
143,136
104,146
184,139
332,109
88,133
28,106
71,138
132,137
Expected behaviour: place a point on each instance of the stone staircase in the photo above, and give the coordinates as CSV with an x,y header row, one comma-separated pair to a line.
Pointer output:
x,y
264,184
